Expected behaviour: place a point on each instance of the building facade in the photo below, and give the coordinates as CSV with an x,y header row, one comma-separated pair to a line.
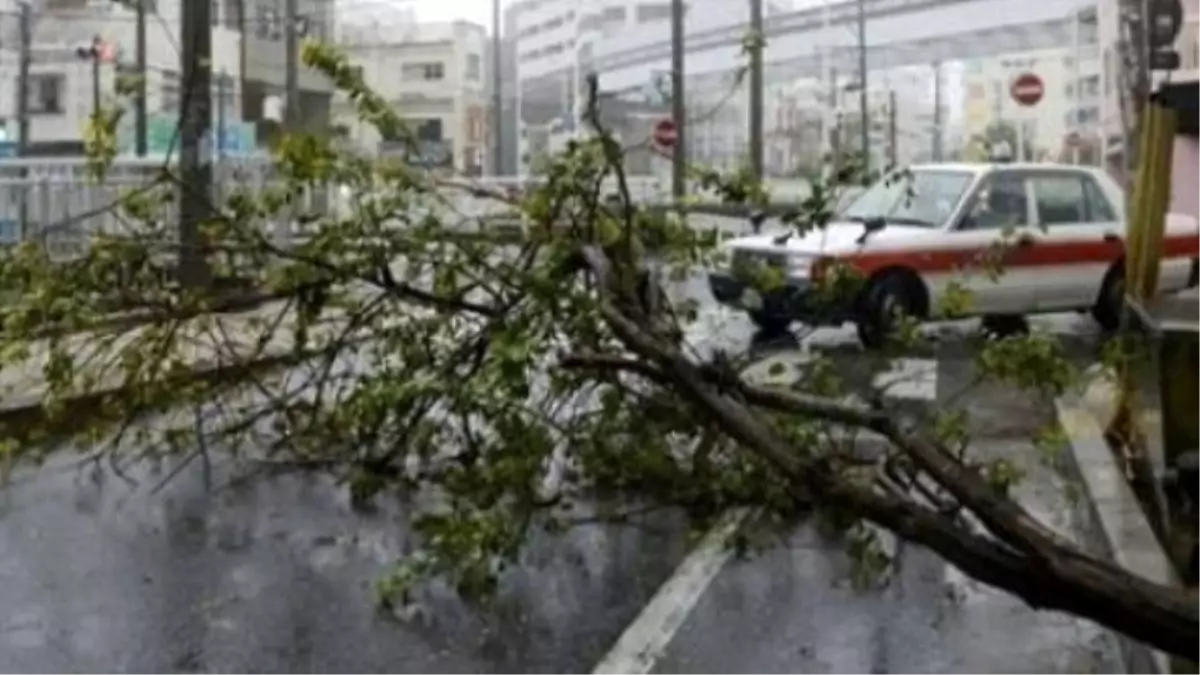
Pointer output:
x,y
62,85
264,58
248,60
434,75
1071,79
555,44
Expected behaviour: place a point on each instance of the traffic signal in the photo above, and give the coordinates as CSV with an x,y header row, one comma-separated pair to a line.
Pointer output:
x,y
1165,22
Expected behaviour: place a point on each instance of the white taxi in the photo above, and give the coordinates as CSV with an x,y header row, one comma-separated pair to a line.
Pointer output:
x,y
915,233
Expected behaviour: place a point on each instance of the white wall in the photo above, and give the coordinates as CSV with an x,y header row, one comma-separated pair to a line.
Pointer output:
x,y
56,38
391,59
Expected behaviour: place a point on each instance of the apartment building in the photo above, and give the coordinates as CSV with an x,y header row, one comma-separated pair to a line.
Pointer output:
x,y
264,57
248,60
1071,79
434,74
62,84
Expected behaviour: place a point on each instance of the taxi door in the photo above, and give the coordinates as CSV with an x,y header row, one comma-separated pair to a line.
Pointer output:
x,y
994,234
1080,238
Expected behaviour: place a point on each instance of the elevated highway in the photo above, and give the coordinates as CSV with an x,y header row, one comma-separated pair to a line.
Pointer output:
x,y
899,33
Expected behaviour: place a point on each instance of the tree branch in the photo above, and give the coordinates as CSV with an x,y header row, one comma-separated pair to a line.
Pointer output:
x,y
1042,569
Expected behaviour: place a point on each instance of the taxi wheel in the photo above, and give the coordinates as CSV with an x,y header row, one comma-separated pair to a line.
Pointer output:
x,y
1000,326
769,323
885,301
1111,299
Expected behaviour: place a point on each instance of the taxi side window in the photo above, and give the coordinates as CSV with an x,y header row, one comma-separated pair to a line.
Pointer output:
x,y
1099,208
1070,200
1000,202
1060,200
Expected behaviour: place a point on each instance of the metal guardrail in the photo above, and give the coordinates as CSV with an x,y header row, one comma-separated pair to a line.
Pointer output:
x,y
56,201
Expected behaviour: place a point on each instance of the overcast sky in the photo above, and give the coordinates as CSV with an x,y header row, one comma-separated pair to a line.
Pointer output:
x,y
479,11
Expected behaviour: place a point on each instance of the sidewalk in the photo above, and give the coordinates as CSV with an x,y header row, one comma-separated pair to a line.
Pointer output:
x,y
203,344
1116,525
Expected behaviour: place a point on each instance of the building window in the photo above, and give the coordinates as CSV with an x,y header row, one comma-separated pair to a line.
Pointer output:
x,y
474,67
266,23
427,129
46,93
423,71
169,92
614,14
234,14
654,12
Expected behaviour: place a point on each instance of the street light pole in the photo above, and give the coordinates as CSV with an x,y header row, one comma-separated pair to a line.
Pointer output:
x,y
937,112
140,131
864,112
756,89
497,94
22,106
678,104
195,155
92,54
291,41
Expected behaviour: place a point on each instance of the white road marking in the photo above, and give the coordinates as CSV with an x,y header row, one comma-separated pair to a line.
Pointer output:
x,y
912,379
644,640
786,363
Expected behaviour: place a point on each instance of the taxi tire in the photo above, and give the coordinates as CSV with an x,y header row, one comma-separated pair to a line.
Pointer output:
x,y
882,299
770,324
1110,302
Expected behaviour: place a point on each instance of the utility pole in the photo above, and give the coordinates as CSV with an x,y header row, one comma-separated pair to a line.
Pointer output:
x,y
678,104
95,86
139,120
222,122
92,53
22,106
835,127
937,112
864,112
195,153
291,112
23,64
497,93
893,151
756,89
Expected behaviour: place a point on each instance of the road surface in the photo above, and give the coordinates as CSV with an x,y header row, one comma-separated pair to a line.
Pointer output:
x,y
276,575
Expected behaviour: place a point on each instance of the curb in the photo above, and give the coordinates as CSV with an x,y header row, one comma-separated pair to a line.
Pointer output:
x,y
16,420
1116,527
127,319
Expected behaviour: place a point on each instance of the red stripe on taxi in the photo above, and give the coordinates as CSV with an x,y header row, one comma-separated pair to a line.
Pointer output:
x,y
1041,253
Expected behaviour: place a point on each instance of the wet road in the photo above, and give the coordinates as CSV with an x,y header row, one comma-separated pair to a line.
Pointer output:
x,y
793,608
277,575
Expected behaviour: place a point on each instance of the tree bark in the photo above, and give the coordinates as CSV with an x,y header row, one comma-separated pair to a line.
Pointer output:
x,y
1020,555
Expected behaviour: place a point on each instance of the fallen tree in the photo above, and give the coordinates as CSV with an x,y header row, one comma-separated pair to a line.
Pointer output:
x,y
518,384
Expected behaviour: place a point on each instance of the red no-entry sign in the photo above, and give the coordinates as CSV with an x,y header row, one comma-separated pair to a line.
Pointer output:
x,y
665,133
1027,89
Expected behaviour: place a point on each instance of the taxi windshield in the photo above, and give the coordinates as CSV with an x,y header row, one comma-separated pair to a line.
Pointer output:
x,y
924,197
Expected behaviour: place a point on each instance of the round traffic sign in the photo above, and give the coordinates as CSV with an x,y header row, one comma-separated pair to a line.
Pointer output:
x,y
665,133
1027,89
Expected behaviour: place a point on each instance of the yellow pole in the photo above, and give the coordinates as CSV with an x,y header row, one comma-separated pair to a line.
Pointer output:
x,y
1143,255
